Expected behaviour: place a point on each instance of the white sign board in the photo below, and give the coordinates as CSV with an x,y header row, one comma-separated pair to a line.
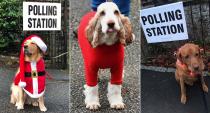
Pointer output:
x,y
39,16
164,23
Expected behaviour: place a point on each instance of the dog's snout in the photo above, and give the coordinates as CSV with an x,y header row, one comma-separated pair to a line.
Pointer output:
x,y
196,67
111,24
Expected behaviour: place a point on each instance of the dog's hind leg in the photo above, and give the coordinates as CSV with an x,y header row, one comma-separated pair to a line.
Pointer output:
x,y
13,99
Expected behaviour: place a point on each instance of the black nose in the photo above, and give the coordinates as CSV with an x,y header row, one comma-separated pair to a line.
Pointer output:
x,y
25,46
111,24
196,68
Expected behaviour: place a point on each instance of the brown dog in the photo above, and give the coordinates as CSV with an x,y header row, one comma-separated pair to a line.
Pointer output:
x,y
189,66
20,96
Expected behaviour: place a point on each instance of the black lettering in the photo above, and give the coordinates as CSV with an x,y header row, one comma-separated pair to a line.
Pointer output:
x,y
30,8
166,18
38,23
160,16
54,10
49,11
173,29
35,9
144,19
50,23
168,29
43,13
29,22
39,10
43,22
153,29
159,31
148,32
150,19
163,29
171,16
178,14
180,28
34,22
54,23
155,18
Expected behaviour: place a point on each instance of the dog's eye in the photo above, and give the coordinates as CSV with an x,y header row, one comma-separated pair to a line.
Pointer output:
x,y
116,12
102,13
186,57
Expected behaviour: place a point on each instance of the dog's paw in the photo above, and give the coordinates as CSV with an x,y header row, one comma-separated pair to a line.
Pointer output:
x,y
93,105
205,88
183,99
35,103
120,105
19,107
91,97
43,108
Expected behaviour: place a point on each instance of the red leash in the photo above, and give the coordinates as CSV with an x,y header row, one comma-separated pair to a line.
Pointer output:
x,y
49,76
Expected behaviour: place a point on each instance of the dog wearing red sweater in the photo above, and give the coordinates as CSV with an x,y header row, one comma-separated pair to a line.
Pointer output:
x,y
102,36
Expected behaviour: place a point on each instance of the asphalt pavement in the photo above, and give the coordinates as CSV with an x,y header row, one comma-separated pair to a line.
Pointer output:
x,y
160,93
56,95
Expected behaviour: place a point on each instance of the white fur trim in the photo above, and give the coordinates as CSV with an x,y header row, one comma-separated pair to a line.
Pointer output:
x,y
34,80
114,96
34,95
22,84
91,97
39,43
35,84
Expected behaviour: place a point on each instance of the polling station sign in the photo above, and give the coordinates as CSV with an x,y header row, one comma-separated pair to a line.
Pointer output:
x,y
164,23
40,16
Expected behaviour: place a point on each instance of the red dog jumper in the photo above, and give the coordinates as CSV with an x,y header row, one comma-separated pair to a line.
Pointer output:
x,y
103,56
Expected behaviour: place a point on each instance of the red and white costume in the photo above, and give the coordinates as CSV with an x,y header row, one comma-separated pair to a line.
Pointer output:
x,y
31,76
103,56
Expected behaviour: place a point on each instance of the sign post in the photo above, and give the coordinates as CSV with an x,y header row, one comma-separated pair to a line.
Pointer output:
x,y
41,16
164,23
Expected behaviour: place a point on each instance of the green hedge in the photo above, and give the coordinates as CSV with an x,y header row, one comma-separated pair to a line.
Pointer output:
x,y
10,22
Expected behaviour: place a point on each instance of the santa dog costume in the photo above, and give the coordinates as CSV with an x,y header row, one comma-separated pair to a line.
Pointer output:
x,y
31,74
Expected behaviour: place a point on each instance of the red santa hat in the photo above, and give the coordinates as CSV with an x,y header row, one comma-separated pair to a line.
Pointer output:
x,y
38,41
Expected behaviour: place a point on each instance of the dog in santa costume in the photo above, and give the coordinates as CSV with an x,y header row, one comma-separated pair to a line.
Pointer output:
x,y
29,82
102,36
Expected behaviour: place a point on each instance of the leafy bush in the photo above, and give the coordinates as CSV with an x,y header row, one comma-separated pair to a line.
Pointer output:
x,y
10,22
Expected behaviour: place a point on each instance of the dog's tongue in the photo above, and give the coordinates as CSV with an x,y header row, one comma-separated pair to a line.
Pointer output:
x,y
110,30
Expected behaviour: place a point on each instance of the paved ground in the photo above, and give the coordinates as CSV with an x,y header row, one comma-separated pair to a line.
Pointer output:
x,y
161,94
130,91
56,96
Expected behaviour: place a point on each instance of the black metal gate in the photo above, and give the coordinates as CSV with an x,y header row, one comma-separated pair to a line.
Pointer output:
x,y
57,41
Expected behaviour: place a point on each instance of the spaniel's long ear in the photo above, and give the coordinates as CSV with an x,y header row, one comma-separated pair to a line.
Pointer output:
x,y
92,31
126,33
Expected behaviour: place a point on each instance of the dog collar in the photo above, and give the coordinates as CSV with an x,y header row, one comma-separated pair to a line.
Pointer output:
x,y
182,65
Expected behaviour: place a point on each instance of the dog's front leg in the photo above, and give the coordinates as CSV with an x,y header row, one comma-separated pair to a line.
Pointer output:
x,y
91,97
114,96
20,99
204,86
41,104
183,91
